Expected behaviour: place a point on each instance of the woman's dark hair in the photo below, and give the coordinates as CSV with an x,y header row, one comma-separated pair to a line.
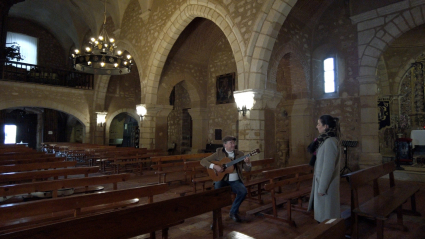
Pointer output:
x,y
329,120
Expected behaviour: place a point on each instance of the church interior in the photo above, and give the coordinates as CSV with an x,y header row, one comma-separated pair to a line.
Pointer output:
x,y
190,72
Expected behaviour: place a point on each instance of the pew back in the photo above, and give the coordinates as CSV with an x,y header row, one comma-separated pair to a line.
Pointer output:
x,y
52,173
35,166
155,217
54,185
21,214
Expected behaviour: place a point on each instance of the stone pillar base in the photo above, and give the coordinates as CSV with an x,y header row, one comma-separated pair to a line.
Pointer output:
x,y
369,159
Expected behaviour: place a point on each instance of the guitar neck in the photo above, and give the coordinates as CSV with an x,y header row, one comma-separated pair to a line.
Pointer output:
x,y
237,160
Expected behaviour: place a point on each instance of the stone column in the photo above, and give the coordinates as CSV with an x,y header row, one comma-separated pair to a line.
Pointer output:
x,y
369,122
302,126
39,134
199,128
154,114
161,127
252,125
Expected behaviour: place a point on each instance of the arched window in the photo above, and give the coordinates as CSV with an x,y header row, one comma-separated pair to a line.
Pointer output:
x,y
329,74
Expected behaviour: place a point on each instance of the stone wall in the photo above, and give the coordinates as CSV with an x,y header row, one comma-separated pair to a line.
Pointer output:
x,y
340,35
221,116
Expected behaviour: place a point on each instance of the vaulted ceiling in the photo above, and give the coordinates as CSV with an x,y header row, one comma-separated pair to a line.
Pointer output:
x,y
71,20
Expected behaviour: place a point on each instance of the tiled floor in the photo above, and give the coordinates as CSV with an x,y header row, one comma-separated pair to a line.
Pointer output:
x,y
256,226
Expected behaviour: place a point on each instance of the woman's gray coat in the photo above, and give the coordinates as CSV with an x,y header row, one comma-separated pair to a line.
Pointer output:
x,y
326,181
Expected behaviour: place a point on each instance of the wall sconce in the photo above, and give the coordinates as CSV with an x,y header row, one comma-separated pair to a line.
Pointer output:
x,y
244,101
141,111
101,118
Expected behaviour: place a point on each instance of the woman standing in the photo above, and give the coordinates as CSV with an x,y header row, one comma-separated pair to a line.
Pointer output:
x,y
324,197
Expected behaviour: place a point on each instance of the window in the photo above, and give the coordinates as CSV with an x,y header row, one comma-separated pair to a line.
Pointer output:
x,y
10,134
329,74
27,44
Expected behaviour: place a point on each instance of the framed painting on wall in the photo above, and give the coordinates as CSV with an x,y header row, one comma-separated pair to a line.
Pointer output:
x,y
225,88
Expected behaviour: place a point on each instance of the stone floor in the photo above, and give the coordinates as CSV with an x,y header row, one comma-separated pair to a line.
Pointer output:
x,y
256,226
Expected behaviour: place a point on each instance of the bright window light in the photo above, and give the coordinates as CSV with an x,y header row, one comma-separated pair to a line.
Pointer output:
x,y
329,75
10,134
28,46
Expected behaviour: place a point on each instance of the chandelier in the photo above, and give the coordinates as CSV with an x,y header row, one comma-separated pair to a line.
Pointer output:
x,y
101,56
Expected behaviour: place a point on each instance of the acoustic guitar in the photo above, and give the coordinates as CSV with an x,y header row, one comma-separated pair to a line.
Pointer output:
x,y
227,165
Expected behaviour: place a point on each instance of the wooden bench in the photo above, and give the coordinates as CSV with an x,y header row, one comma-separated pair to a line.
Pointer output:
x,y
197,174
290,178
33,160
328,229
104,157
16,216
255,177
124,161
25,156
35,166
173,164
382,204
44,174
55,185
137,220
16,150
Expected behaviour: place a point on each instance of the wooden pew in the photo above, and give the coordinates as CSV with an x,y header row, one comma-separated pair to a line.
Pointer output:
x,y
173,164
25,155
16,150
52,173
35,166
34,160
2,146
197,174
381,204
124,161
16,216
330,228
137,220
292,179
55,185
104,157
255,177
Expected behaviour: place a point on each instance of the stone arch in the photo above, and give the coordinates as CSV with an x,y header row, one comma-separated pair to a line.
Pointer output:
x,y
171,31
374,41
125,44
83,118
166,88
100,89
375,33
102,81
110,117
264,33
298,55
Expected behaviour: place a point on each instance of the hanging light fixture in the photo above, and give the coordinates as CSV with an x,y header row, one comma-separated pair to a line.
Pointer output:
x,y
101,56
